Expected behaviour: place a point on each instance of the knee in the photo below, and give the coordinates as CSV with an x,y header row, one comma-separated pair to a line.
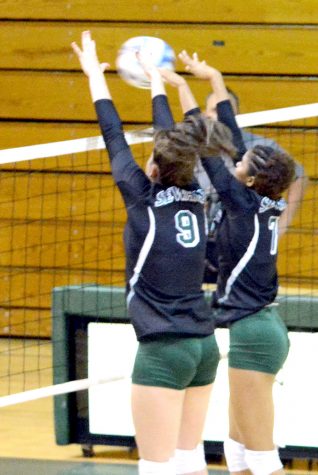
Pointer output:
x,y
235,456
263,462
147,467
188,461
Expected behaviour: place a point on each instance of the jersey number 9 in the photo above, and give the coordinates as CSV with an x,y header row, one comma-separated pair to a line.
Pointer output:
x,y
187,225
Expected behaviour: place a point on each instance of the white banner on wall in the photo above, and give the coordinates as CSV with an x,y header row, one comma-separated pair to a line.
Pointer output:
x,y
111,353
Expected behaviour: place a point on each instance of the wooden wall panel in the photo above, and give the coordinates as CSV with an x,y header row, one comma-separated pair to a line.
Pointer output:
x,y
25,322
31,133
306,217
232,49
68,97
221,11
298,258
32,287
66,197
61,245
94,161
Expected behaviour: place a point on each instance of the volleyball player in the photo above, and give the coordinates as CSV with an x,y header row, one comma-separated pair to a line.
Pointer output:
x,y
298,186
189,103
295,191
165,244
247,238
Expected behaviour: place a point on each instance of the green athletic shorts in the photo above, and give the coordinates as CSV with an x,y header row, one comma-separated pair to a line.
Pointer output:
x,y
176,363
259,342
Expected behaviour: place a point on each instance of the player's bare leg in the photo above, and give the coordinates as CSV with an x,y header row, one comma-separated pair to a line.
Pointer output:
x,y
235,436
195,406
156,413
252,409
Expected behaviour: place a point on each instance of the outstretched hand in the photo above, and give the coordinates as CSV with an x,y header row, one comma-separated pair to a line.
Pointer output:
x,y
146,61
172,78
152,71
87,55
195,66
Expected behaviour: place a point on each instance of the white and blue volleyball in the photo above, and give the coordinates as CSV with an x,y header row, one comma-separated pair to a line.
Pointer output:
x,y
128,66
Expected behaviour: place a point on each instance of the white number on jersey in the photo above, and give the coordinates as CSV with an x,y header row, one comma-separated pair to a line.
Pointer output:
x,y
187,225
273,226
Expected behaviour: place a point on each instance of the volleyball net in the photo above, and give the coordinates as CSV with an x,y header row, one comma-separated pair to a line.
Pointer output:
x,y
61,225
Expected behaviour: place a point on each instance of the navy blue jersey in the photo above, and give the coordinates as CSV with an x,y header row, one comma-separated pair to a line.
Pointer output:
x,y
165,243
246,236
247,239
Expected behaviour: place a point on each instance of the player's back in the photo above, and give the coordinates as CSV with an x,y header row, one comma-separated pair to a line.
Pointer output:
x,y
165,241
248,239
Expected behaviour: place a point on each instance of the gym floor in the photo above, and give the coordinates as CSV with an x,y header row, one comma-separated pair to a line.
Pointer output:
x,y
50,467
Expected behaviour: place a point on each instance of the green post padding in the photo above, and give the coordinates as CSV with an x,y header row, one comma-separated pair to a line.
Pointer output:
x,y
104,303
299,312
109,304
60,365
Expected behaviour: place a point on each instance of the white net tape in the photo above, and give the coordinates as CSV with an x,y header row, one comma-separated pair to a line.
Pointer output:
x,y
56,389
96,143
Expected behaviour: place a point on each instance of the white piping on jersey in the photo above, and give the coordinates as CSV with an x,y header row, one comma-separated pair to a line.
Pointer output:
x,y
242,262
143,253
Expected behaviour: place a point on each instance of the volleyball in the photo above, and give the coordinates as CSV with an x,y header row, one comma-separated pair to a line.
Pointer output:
x,y
128,65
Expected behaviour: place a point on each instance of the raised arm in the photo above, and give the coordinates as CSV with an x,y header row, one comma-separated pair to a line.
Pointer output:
x,y
234,195
224,108
128,175
161,113
108,118
202,70
186,98
91,66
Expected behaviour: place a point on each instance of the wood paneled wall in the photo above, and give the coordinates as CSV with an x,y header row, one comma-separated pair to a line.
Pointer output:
x,y
268,52
187,11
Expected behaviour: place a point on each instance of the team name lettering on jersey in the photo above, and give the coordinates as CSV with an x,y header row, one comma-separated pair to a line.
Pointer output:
x,y
267,204
173,193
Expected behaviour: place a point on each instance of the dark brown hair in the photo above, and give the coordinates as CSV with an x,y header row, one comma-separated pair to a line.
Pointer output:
x,y
274,170
175,157
219,139
177,150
